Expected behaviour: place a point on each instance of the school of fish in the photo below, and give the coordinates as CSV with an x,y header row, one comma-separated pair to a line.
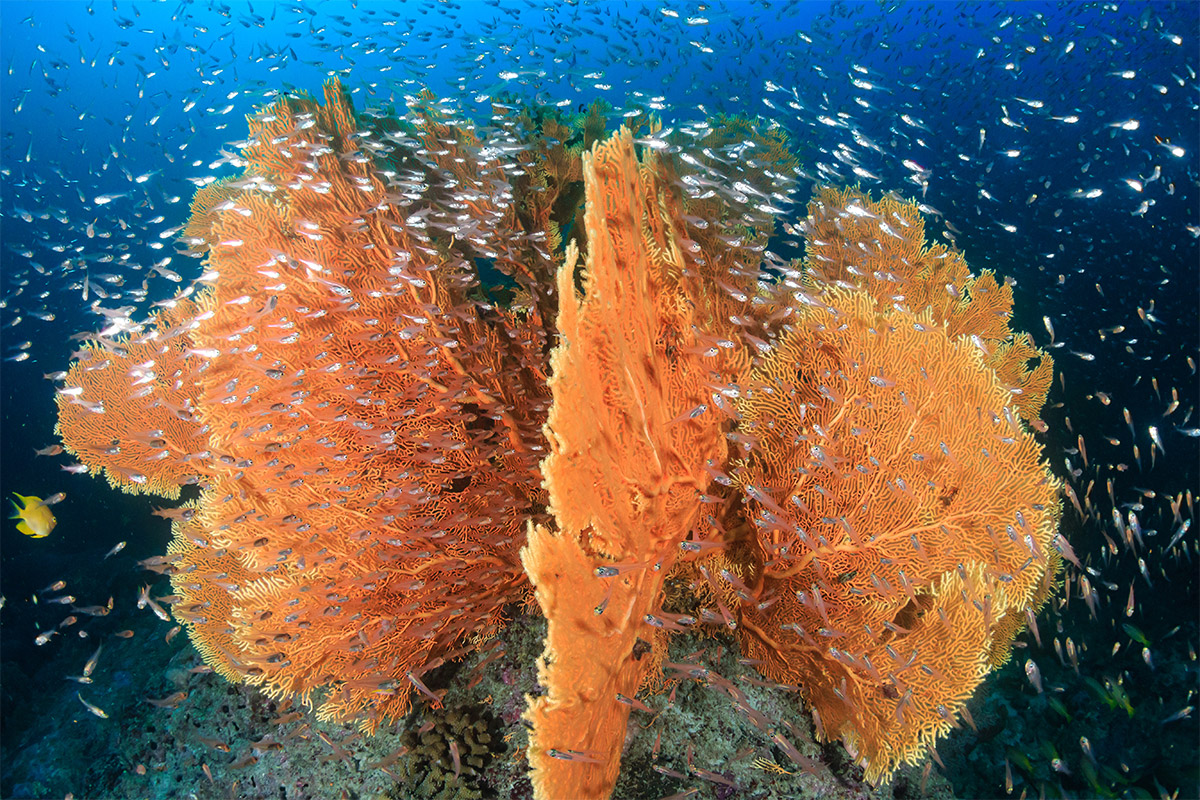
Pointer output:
x,y
1058,149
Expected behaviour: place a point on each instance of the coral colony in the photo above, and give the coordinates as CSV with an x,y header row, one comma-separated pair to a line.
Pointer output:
x,y
425,377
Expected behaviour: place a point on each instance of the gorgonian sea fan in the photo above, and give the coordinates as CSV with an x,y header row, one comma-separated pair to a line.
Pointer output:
x,y
829,458
364,427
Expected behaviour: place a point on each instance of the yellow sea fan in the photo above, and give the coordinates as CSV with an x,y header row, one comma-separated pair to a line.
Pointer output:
x,y
905,519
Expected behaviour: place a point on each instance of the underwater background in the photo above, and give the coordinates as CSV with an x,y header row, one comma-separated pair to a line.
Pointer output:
x,y
1053,143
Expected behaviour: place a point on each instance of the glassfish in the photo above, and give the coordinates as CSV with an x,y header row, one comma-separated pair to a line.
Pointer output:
x,y
99,712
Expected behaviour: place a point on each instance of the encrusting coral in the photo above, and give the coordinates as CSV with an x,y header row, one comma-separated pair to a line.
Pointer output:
x,y
832,458
445,756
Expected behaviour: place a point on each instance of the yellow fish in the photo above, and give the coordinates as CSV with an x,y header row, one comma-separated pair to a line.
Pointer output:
x,y
35,516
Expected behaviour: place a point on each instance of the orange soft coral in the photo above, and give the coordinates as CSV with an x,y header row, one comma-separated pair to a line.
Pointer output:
x,y
376,428
905,519
365,432
366,429
627,462
641,386
903,515
126,409
880,247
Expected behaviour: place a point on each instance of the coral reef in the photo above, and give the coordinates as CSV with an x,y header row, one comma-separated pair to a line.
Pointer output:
x,y
665,429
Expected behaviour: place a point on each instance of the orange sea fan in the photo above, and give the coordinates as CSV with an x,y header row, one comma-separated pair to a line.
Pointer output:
x,y
375,430
286,141
1012,359
642,383
904,517
627,462
879,246
204,576
552,181
365,429
126,410
204,209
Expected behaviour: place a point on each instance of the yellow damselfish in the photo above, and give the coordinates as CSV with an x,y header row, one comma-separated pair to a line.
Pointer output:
x,y
34,515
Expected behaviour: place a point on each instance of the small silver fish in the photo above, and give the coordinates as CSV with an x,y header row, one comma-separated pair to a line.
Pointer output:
x,y
90,666
1033,674
99,712
1154,437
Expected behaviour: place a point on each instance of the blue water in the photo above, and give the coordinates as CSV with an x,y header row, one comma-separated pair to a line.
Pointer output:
x,y
1056,145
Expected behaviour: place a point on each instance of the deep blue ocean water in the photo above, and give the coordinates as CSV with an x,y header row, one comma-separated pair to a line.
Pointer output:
x,y
1056,144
